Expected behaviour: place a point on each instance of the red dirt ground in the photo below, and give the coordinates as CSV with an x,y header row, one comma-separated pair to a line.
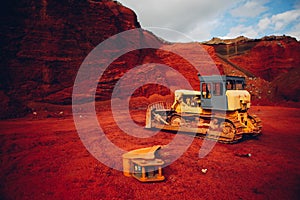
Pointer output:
x,y
44,158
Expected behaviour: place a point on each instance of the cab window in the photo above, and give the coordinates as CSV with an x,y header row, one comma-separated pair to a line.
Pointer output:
x,y
218,89
240,85
230,85
235,85
206,90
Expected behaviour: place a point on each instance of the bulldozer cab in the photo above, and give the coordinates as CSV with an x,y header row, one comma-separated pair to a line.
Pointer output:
x,y
214,89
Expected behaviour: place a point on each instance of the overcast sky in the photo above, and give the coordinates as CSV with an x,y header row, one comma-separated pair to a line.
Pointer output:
x,y
201,20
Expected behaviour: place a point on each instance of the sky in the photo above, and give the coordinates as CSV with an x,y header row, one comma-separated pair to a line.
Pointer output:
x,y
201,20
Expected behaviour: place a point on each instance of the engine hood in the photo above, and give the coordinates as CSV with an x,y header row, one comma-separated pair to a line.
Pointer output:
x,y
237,98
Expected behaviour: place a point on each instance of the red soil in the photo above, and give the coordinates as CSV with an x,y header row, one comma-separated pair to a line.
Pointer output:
x,y
44,158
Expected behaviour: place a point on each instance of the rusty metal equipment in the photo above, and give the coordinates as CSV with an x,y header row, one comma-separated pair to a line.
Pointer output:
x,y
143,164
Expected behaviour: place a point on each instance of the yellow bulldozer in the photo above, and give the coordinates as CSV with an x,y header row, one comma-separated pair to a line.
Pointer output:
x,y
219,111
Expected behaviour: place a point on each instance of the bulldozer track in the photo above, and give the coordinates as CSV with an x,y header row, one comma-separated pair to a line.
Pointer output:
x,y
215,135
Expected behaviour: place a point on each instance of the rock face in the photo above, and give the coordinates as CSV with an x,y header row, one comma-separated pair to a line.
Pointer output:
x,y
266,58
271,59
45,42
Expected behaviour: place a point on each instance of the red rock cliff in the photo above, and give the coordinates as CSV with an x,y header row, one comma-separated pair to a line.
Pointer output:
x,y
273,62
44,42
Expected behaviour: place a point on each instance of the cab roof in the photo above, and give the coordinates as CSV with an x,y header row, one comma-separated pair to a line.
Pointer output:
x,y
218,78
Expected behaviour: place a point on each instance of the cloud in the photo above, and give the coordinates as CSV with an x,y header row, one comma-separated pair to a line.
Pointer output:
x,y
201,20
252,8
183,16
282,20
295,31
263,24
282,23
203,29
247,31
